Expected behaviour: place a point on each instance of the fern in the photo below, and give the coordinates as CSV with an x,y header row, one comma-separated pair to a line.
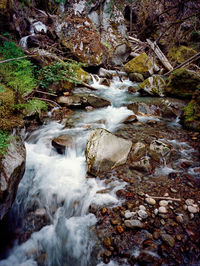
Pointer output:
x,y
4,142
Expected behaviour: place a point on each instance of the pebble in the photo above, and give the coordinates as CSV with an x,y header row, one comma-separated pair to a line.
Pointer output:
x,y
133,224
166,195
189,202
173,190
120,229
185,207
168,239
104,211
156,211
162,209
191,215
179,219
163,203
142,214
150,201
162,222
142,207
129,214
193,209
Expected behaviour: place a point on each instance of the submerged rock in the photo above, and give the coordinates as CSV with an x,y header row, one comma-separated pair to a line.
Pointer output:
x,y
12,171
105,151
159,151
154,85
60,143
140,64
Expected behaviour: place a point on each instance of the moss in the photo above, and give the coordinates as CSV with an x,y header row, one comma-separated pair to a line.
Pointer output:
x,y
9,119
191,115
180,54
182,83
154,85
140,64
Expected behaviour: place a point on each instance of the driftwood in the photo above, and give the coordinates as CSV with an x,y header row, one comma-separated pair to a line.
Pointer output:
x,y
160,55
87,85
188,61
17,58
164,198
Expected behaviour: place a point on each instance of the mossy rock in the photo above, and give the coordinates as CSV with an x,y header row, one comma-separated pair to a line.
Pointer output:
x,y
9,119
182,83
191,115
140,64
180,54
154,85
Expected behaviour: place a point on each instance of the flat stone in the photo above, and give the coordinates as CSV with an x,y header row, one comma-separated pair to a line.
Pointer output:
x,y
150,201
169,240
143,214
162,209
133,224
163,203
193,209
189,202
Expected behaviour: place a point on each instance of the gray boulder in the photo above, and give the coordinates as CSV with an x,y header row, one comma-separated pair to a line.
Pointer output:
x,y
105,151
159,151
12,170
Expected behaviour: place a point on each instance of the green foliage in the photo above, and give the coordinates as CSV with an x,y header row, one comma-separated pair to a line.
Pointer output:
x,y
55,73
18,74
4,142
189,112
60,1
32,106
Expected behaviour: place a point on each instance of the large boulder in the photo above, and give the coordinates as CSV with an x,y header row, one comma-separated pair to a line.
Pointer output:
x,y
105,151
12,170
182,83
79,35
140,64
154,85
180,54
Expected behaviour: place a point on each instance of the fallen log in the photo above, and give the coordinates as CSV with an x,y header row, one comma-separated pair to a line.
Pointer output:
x,y
160,55
188,61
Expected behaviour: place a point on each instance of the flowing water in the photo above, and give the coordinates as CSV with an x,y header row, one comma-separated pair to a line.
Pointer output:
x,y
55,186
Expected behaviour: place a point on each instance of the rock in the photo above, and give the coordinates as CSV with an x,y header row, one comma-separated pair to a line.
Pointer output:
x,y
133,89
162,210
156,211
193,209
144,165
60,143
169,240
94,101
133,224
107,241
136,77
179,218
105,151
180,54
129,214
163,203
138,151
190,117
40,212
105,82
142,207
159,151
143,214
12,171
185,207
189,202
73,101
140,64
182,83
150,201
154,85
130,119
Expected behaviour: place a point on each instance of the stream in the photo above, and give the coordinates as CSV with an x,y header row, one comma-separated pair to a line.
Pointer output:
x,y
54,196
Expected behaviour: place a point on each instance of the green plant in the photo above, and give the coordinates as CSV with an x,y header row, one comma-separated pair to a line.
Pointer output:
x,y
18,74
4,142
32,106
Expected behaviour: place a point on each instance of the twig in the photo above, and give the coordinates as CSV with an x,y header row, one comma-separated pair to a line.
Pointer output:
x,y
47,100
17,58
47,93
188,61
164,198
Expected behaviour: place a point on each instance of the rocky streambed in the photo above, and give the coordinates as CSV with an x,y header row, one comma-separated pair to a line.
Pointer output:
x,y
131,197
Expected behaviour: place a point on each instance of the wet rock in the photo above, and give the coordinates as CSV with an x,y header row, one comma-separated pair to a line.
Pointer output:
x,y
163,203
12,171
150,201
61,143
105,82
141,64
74,101
40,212
169,240
133,224
94,101
154,85
182,83
136,77
138,151
159,151
130,119
105,151
143,214
144,165
162,210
